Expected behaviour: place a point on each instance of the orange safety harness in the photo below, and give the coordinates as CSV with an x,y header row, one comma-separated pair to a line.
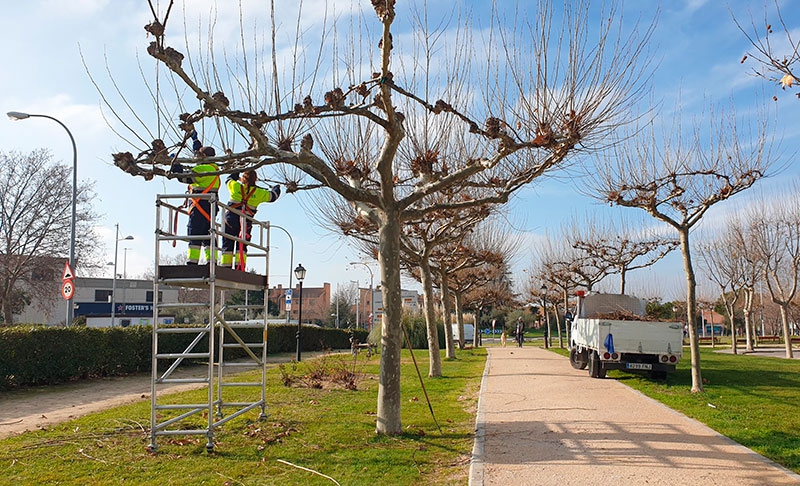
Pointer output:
x,y
195,205
242,206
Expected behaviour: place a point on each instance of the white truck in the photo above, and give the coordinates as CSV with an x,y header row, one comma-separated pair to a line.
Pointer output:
x,y
606,335
469,333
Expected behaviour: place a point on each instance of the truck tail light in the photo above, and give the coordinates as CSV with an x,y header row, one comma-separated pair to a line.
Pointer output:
x,y
615,356
664,358
673,359
606,355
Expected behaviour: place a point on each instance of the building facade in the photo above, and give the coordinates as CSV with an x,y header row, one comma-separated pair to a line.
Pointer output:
x,y
93,298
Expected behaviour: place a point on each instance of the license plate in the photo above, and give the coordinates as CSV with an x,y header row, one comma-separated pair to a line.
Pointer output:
x,y
639,366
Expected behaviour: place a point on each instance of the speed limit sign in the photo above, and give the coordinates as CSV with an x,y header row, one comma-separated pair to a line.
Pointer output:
x,y
67,290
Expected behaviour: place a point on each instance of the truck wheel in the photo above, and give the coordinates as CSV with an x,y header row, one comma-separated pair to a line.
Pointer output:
x,y
595,366
577,360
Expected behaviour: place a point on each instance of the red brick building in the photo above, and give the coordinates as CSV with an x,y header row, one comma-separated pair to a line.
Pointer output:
x,y
316,302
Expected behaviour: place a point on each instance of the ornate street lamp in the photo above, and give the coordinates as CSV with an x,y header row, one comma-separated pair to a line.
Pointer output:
x,y
300,273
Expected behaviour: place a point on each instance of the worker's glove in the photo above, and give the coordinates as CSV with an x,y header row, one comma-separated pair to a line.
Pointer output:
x,y
276,189
176,168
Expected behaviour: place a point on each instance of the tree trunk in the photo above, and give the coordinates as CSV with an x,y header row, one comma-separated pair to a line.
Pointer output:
x,y
460,318
566,309
447,313
731,309
747,310
787,334
435,359
6,305
691,310
388,414
622,275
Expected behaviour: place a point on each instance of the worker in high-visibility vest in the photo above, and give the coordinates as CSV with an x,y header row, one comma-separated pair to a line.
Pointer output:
x,y
199,208
245,196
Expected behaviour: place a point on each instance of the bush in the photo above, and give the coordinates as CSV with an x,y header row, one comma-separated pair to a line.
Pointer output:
x,y
417,331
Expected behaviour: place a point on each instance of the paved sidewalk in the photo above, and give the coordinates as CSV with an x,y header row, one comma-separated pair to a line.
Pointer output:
x,y
541,422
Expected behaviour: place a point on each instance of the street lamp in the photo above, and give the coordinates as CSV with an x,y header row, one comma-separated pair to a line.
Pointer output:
x,y
117,239
300,273
371,292
546,322
16,115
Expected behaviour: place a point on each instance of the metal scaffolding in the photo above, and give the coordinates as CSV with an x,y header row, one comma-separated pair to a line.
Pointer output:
x,y
180,349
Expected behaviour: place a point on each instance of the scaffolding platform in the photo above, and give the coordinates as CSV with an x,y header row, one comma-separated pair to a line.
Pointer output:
x,y
200,276
210,342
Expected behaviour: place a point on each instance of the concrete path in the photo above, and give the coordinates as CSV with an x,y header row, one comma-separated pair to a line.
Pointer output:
x,y
541,422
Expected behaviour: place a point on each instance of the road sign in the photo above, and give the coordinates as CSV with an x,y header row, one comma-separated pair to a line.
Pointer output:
x,y
68,273
288,293
288,305
68,289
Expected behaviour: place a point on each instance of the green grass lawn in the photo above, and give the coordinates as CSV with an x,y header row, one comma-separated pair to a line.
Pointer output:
x,y
754,400
329,430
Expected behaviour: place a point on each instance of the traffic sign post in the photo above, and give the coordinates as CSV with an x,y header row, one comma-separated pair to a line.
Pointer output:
x,y
68,273
68,290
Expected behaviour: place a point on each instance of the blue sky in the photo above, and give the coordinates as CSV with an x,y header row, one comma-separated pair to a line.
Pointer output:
x,y
696,44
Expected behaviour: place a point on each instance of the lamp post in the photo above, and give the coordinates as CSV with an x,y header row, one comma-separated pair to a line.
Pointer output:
x,y
117,239
545,318
300,273
16,115
371,292
291,264
358,300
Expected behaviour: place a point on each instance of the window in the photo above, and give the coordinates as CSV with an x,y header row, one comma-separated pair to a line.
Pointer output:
x,y
149,296
102,295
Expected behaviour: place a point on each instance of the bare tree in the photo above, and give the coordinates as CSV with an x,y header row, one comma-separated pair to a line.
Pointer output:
x,y
777,58
775,230
677,177
568,267
723,265
541,88
740,243
624,246
475,261
35,218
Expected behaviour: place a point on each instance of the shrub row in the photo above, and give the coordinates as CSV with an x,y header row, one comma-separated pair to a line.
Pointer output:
x,y
47,355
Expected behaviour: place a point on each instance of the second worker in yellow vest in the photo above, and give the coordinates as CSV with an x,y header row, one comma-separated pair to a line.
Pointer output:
x,y
245,196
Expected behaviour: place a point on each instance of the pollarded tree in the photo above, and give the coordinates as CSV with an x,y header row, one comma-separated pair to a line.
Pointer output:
x,y
35,216
538,85
775,230
724,266
471,262
623,245
677,177
752,268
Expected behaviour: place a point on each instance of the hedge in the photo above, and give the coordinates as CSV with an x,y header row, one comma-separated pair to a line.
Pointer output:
x,y
49,355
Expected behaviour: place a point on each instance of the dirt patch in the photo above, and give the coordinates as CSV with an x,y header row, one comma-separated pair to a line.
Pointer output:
x,y
36,408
